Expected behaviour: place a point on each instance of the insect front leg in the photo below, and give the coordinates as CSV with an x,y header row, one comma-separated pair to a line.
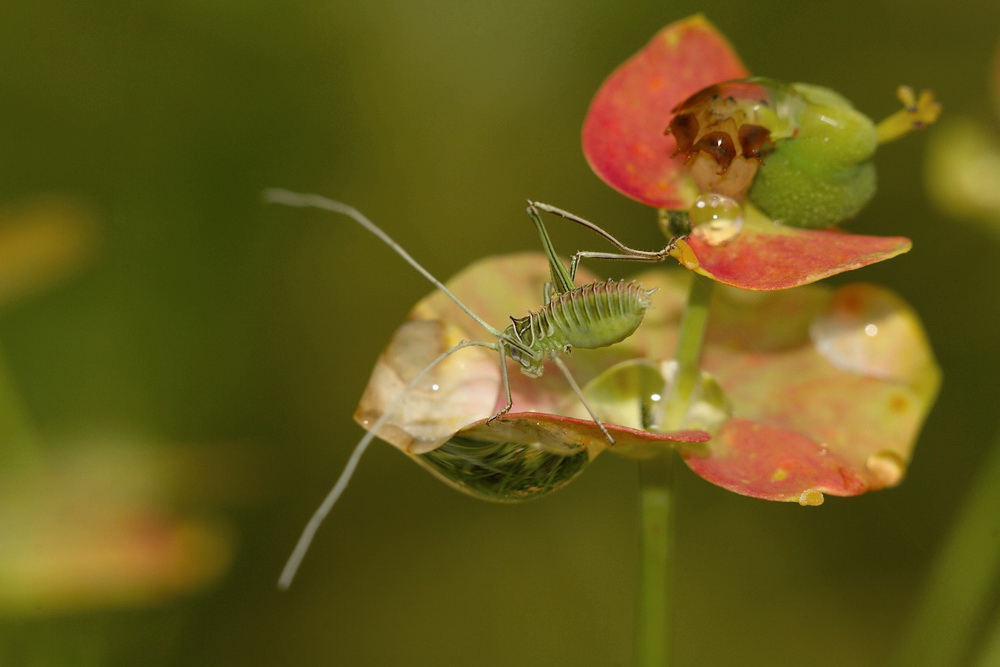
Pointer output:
x,y
646,256
627,253
562,280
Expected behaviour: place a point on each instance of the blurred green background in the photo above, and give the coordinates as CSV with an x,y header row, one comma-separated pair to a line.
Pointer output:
x,y
232,339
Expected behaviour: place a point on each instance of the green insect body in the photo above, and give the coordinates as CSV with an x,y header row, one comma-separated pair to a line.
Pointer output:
x,y
588,317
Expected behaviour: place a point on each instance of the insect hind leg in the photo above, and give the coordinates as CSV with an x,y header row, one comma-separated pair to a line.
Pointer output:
x,y
502,347
579,393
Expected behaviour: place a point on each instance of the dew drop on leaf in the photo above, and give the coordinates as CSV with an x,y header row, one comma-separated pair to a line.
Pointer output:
x,y
872,332
716,219
502,471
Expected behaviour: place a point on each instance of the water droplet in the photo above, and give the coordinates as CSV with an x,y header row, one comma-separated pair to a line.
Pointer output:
x,y
869,331
716,219
707,406
887,467
637,394
829,121
503,471
811,498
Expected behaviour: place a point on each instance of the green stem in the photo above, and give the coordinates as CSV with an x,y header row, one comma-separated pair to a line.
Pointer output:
x,y
688,352
656,501
958,593
656,519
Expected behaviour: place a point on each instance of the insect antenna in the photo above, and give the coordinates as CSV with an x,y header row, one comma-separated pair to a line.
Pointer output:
x,y
289,198
505,344
309,532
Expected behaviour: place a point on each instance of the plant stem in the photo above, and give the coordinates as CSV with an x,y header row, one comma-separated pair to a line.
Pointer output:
x,y
656,520
688,352
656,501
957,595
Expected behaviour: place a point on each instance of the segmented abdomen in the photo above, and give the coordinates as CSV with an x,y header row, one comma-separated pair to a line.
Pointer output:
x,y
594,315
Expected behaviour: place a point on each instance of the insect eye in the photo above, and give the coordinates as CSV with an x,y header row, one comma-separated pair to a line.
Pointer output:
x,y
515,354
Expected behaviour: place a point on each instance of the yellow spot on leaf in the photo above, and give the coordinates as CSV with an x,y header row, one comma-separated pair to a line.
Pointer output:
x,y
811,498
683,254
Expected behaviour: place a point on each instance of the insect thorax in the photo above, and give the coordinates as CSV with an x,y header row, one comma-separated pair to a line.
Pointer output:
x,y
588,317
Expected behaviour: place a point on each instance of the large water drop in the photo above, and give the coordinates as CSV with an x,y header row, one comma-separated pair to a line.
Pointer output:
x,y
502,471
716,219
640,394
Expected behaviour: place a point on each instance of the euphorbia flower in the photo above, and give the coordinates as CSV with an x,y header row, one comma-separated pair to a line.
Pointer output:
x,y
818,390
758,170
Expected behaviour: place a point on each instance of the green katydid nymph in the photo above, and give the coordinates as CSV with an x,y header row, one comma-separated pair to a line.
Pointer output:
x,y
588,316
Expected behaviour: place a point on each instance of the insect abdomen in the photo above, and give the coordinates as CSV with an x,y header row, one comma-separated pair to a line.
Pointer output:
x,y
596,315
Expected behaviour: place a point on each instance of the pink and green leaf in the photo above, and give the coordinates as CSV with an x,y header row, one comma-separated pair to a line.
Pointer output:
x,y
625,144
623,134
849,370
827,389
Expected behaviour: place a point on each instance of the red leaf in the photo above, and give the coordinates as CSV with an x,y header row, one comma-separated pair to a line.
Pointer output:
x,y
555,432
768,256
763,461
623,137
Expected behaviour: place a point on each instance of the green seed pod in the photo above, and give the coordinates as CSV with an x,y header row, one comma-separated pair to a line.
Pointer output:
x,y
801,153
823,174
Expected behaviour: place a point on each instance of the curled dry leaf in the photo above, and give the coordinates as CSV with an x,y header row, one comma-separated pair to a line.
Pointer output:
x,y
538,447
